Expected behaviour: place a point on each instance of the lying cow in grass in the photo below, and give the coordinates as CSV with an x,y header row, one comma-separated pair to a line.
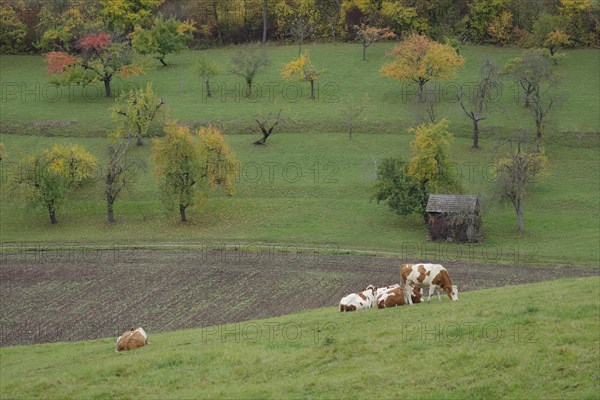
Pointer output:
x,y
132,339
432,276
395,297
382,290
359,301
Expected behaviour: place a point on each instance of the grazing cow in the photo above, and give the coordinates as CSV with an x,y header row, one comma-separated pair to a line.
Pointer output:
x,y
132,339
395,297
359,301
433,276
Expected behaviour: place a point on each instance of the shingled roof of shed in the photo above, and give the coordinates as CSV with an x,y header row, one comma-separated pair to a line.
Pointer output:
x,y
447,203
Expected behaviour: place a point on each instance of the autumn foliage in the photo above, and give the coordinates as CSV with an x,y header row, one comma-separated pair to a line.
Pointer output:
x,y
429,163
100,60
46,178
302,69
184,161
421,59
59,61
97,42
367,35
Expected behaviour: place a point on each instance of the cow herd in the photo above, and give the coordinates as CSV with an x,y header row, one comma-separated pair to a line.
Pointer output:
x,y
415,277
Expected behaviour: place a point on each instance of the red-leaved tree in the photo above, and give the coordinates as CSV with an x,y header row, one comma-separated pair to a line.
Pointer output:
x,y
100,58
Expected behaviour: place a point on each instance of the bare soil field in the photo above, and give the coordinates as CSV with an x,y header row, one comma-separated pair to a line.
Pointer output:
x,y
79,294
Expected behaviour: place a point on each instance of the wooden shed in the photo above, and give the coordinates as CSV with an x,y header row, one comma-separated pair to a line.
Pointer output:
x,y
454,217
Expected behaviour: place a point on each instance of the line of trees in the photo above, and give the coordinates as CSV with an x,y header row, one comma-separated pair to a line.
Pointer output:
x,y
186,163
31,26
405,186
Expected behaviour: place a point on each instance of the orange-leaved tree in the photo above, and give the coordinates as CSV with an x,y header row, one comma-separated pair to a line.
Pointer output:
x,y
302,69
185,160
421,59
367,35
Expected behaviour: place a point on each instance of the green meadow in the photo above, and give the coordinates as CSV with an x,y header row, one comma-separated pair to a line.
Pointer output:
x,y
31,105
530,341
311,184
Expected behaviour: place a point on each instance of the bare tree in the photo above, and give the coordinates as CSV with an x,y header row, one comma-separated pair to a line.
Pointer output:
x,y
427,107
352,112
540,104
478,102
300,30
266,125
247,62
515,173
531,70
120,172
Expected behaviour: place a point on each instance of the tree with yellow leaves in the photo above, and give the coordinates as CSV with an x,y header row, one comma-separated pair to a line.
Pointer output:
x,y
46,178
500,27
554,41
405,187
125,15
421,59
429,164
184,160
134,111
302,69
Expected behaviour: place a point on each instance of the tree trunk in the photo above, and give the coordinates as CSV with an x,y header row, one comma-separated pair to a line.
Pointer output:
x,y
109,213
299,49
350,129
538,129
208,92
364,53
162,61
520,214
475,134
139,140
312,90
107,91
421,89
216,15
264,33
182,212
52,213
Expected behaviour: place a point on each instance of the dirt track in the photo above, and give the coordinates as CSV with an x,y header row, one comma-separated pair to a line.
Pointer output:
x,y
76,295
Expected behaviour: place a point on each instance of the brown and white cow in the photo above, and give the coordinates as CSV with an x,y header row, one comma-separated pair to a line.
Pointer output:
x,y
132,339
382,290
395,297
433,276
359,301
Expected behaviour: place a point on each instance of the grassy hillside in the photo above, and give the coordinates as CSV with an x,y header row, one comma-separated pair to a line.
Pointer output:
x,y
532,341
32,105
311,185
323,197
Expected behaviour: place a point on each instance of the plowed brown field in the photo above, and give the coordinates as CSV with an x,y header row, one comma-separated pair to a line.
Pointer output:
x,y
77,295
